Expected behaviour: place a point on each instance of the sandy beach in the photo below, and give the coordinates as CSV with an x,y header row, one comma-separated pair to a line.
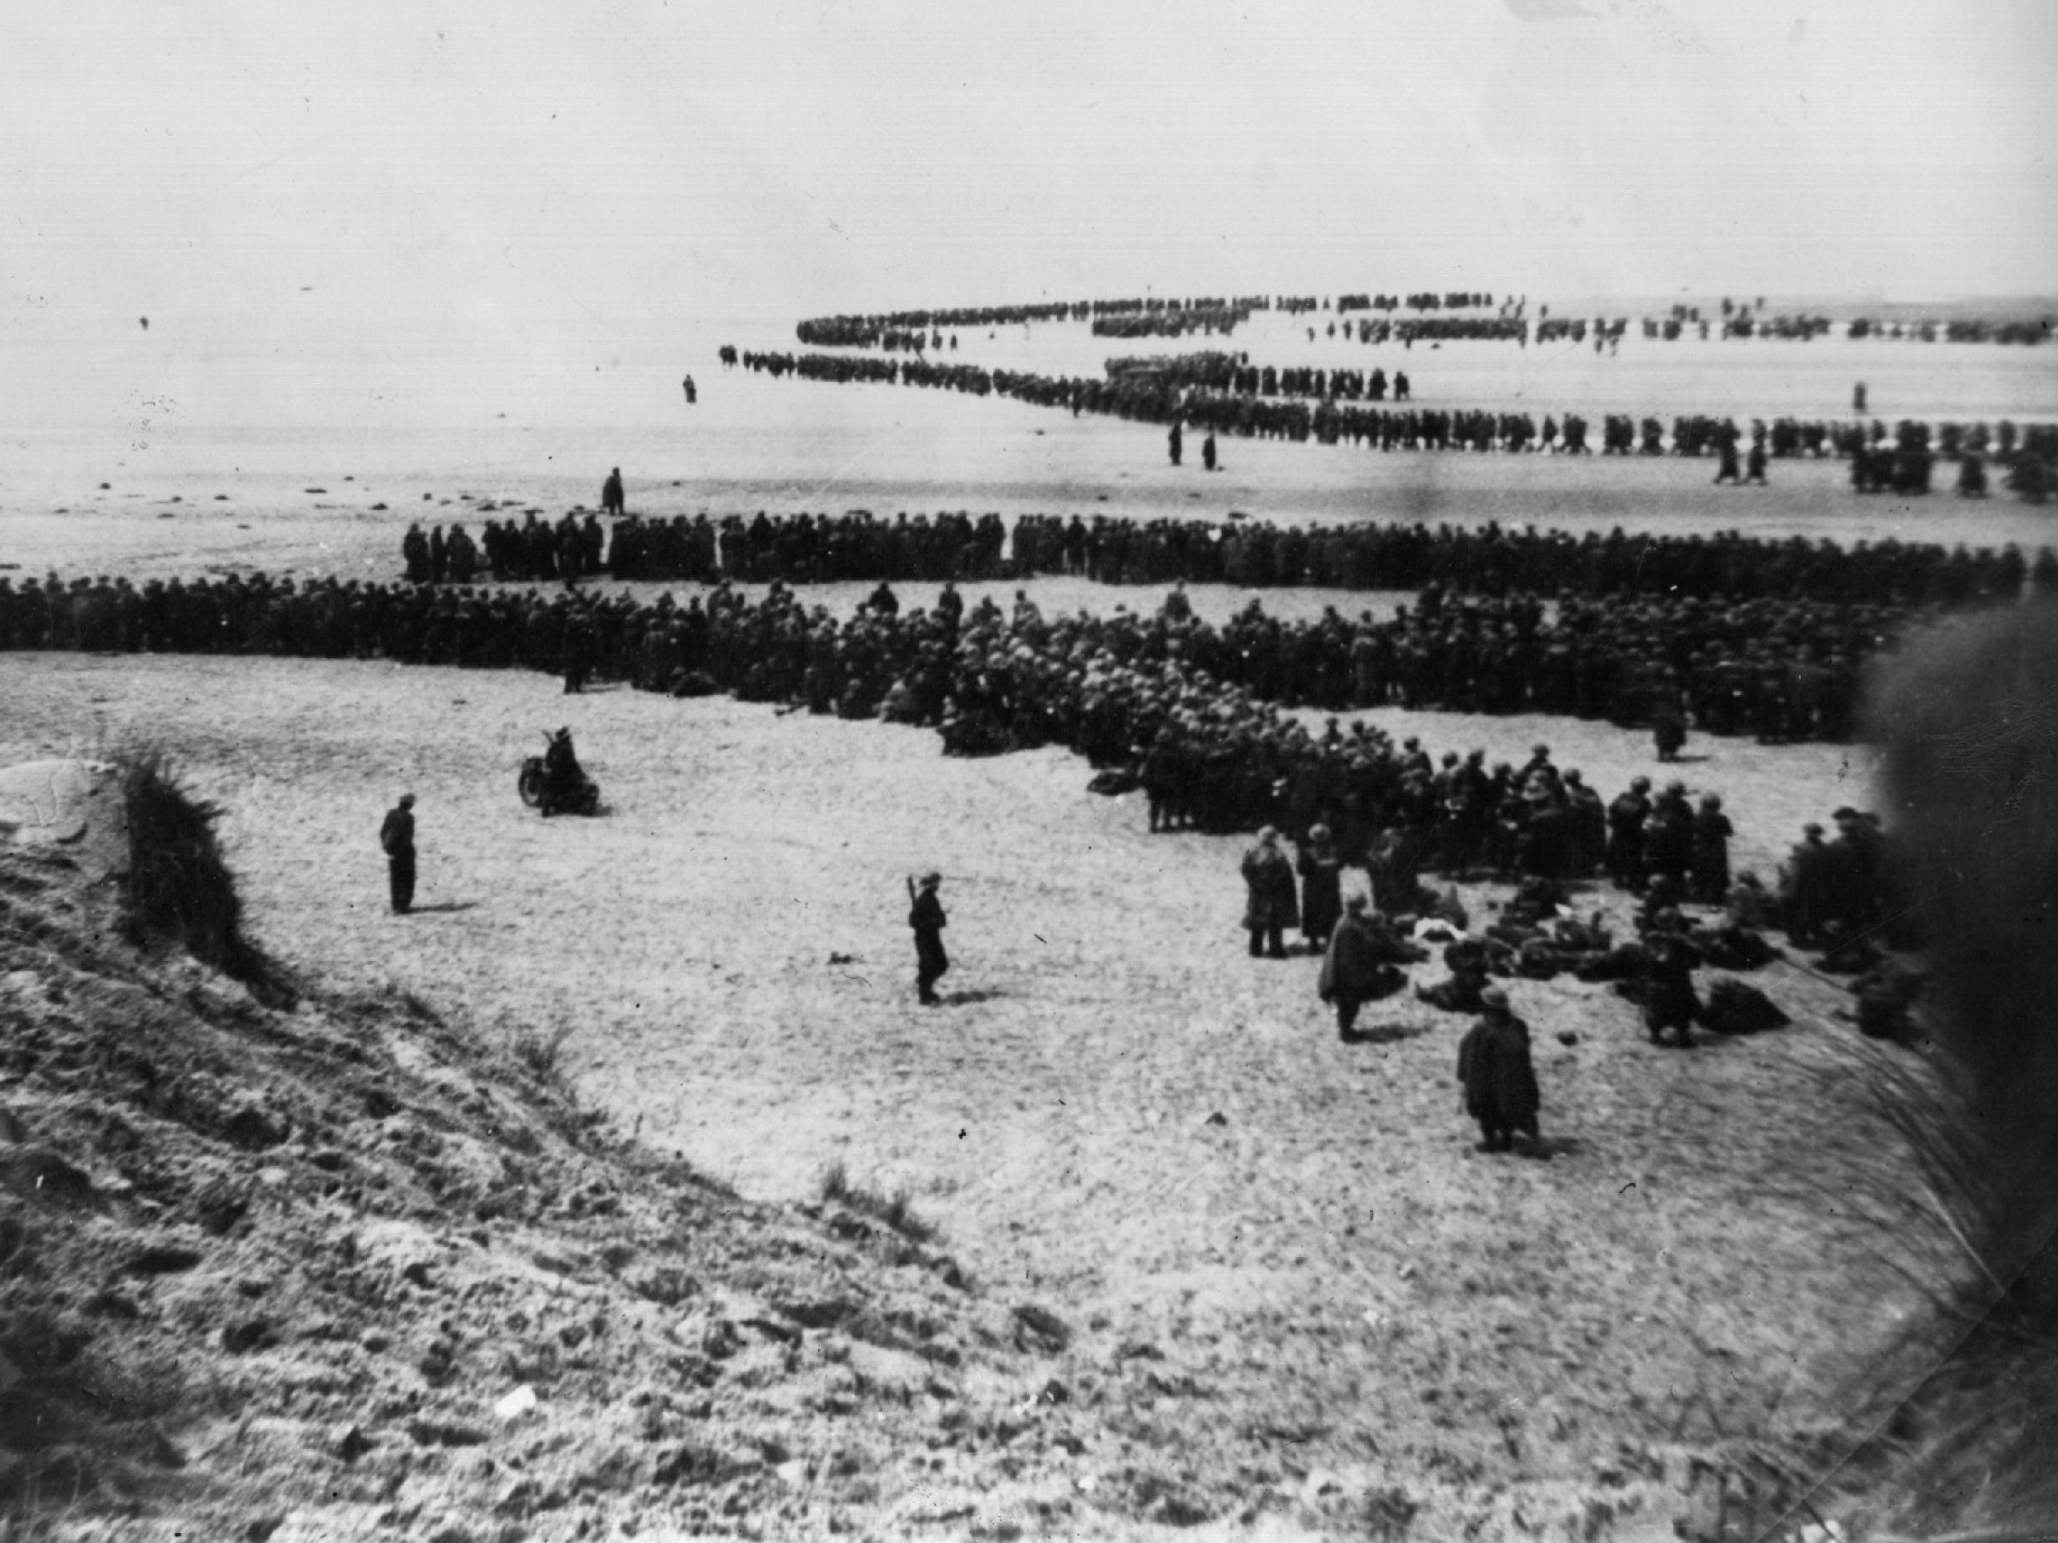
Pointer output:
x,y
1117,1110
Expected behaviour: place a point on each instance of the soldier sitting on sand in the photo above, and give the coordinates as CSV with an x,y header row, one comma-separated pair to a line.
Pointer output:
x,y
1463,990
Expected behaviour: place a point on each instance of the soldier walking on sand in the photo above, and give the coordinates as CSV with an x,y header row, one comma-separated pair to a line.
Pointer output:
x,y
397,837
926,917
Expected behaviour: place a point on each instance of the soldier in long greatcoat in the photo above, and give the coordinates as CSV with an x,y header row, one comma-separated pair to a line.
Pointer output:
x,y
1321,871
1498,1077
1353,968
1270,906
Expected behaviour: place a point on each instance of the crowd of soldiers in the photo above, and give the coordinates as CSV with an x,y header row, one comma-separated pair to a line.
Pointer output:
x,y
1478,656
1200,712
1160,702
1781,671
1728,634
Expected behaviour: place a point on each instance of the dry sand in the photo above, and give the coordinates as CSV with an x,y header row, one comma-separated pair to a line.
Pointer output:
x,y
1338,1273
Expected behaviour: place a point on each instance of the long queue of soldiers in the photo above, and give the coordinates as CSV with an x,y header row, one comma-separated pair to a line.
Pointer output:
x,y
1510,325
1737,319
1489,560
1161,396
810,549
1493,560
1173,324
865,330
1194,386
1215,370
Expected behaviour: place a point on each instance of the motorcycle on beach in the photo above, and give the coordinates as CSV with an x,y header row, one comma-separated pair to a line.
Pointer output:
x,y
554,783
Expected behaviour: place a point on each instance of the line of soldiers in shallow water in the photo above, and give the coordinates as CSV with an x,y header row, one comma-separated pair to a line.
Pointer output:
x,y
1158,396
863,330
1488,560
868,330
1736,320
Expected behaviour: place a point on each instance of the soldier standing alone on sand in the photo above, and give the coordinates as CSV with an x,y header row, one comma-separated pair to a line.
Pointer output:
x,y
925,915
612,503
397,837
1498,1076
1668,718
1175,443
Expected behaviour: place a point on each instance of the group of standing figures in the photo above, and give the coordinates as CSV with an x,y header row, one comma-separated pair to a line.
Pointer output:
x,y
1842,896
1358,966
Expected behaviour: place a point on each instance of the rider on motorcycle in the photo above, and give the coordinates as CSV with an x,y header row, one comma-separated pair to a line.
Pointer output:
x,y
561,774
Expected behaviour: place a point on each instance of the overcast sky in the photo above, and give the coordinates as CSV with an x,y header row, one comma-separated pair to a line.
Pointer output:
x,y
479,171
